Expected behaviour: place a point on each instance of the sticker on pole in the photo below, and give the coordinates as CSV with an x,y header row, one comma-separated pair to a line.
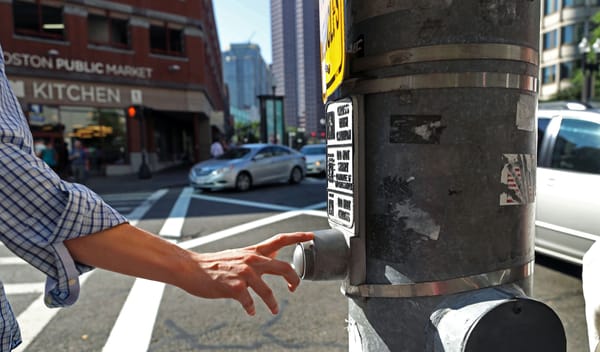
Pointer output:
x,y
331,25
340,163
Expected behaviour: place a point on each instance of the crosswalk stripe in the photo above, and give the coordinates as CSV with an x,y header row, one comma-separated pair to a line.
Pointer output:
x,y
172,227
139,311
26,288
244,203
12,261
33,319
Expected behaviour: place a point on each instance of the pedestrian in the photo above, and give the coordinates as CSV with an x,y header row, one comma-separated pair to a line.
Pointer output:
x,y
79,162
64,229
216,149
48,154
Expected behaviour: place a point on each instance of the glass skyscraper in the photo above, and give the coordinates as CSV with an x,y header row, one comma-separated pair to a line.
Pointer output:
x,y
247,76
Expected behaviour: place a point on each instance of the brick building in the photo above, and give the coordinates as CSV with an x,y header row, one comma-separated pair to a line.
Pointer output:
x,y
77,65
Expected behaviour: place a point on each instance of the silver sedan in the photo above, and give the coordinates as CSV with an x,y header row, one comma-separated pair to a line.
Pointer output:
x,y
249,165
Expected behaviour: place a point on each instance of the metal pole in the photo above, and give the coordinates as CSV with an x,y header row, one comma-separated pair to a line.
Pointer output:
x,y
449,99
274,116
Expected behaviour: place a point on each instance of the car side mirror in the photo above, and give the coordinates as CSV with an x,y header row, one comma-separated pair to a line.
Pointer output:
x,y
258,157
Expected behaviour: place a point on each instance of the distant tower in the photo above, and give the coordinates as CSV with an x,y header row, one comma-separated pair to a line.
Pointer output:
x,y
247,76
296,61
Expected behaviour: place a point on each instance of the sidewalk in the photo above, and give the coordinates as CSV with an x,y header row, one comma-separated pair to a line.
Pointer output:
x,y
173,177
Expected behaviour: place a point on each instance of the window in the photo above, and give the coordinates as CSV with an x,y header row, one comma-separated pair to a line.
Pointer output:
x,y
550,40
571,34
166,39
566,69
548,74
106,28
549,6
34,19
577,147
542,126
573,3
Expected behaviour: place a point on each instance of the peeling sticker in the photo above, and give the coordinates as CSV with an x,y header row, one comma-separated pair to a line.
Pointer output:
x,y
354,338
518,174
417,129
526,113
416,220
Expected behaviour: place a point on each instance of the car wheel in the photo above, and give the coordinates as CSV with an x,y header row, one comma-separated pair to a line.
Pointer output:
x,y
296,175
243,182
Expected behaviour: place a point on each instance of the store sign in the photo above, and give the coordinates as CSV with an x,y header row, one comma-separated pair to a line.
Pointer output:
x,y
49,91
340,164
74,65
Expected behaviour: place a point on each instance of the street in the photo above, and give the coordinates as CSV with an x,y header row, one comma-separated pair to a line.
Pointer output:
x,y
119,313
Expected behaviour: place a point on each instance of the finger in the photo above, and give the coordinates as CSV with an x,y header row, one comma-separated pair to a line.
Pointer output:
x,y
277,242
264,292
247,302
281,268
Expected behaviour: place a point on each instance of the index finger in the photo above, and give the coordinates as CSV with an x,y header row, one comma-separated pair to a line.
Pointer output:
x,y
279,241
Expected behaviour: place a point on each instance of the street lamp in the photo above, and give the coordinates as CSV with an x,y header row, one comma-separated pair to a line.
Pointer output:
x,y
588,69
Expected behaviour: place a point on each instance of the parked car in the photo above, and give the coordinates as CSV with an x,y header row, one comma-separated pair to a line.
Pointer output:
x,y
316,157
249,165
568,183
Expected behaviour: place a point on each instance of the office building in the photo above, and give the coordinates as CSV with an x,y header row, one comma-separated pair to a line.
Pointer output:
x,y
564,24
296,62
76,66
247,76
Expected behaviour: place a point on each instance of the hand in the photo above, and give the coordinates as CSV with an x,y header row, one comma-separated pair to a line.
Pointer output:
x,y
229,274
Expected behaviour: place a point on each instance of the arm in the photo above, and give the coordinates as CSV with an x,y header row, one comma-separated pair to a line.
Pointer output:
x,y
228,274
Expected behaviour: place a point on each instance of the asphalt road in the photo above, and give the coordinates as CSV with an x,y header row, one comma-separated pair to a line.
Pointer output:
x,y
119,313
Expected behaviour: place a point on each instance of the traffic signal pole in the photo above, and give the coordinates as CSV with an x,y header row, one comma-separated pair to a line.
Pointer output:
x,y
443,95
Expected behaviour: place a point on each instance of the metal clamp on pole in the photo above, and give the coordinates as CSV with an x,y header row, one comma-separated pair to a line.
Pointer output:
x,y
442,287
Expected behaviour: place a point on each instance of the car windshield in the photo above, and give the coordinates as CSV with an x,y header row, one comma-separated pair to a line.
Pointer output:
x,y
313,150
235,153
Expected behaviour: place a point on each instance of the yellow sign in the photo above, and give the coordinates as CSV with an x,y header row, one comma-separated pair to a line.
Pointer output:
x,y
333,51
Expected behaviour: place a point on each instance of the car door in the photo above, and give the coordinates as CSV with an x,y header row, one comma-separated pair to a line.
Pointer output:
x,y
283,163
262,166
568,188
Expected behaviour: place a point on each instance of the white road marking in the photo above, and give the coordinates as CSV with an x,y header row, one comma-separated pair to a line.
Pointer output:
x,y
23,289
232,231
139,212
244,202
172,227
33,319
12,261
133,329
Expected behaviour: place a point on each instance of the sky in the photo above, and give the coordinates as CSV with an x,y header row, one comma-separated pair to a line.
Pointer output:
x,y
242,21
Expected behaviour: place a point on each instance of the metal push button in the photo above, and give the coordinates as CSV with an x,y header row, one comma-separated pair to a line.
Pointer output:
x,y
324,258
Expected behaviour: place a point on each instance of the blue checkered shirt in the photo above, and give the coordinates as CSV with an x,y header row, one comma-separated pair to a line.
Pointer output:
x,y
38,212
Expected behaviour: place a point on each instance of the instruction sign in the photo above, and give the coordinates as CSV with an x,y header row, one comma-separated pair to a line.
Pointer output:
x,y
340,163
331,30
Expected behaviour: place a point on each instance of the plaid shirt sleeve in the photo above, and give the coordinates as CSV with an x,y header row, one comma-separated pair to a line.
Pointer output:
x,y
39,211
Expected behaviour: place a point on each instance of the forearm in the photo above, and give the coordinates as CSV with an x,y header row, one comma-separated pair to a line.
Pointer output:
x,y
129,250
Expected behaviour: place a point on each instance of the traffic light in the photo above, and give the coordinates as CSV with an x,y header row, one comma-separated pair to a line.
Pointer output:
x,y
133,111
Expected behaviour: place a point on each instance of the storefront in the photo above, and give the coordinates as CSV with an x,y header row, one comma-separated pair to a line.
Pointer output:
x,y
88,107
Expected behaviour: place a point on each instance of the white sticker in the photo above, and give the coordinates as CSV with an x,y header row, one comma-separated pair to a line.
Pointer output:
x,y
340,164
340,209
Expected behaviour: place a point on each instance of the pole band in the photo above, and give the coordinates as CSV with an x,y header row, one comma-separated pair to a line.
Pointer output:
x,y
444,287
445,52
443,80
